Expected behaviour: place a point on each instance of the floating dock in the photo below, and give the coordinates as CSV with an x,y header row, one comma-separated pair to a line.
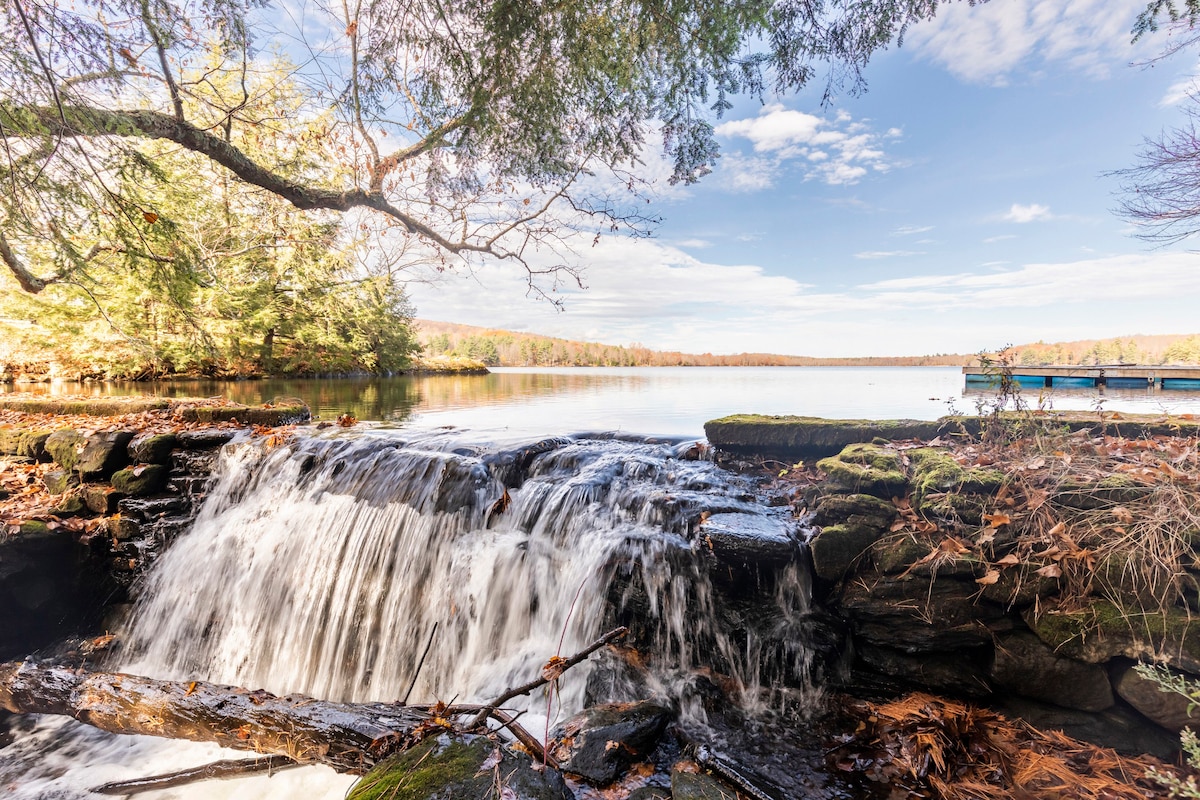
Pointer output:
x,y
1113,376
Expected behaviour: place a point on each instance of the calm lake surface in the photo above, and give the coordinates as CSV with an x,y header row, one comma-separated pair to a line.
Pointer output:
x,y
520,401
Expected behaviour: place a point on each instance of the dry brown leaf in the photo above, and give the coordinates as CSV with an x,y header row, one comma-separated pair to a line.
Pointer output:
x,y
989,578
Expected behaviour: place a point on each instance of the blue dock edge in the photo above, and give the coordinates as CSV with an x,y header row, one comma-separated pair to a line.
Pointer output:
x,y
1115,376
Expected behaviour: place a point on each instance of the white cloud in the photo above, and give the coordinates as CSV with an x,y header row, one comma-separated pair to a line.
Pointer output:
x,y
911,230
693,244
1030,213
650,292
1002,237
1180,90
989,42
835,151
875,254
738,173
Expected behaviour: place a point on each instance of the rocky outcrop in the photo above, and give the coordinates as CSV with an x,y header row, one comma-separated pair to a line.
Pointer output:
x,y
599,743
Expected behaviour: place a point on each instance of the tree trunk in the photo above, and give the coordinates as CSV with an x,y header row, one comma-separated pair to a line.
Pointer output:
x,y
350,737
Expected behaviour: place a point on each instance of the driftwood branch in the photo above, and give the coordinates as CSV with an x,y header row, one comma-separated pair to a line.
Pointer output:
x,y
549,673
217,770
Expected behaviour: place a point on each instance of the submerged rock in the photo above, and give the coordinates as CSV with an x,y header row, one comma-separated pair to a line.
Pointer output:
x,y
459,767
599,743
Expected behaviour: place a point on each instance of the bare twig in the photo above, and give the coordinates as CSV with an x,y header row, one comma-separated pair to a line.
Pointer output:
x,y
542,680
217,770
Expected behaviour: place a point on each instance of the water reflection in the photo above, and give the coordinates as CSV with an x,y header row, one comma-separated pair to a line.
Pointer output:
x,y
645,400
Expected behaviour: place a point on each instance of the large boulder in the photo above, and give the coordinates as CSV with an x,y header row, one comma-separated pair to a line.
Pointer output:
x,y
599,743
1024,664
1171,710
95,455
455,768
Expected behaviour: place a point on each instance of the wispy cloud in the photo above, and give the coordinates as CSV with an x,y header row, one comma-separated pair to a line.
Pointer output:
x,y
1002,237
990,42
647,291
875,254
1033,212
693,244
836,151
911,230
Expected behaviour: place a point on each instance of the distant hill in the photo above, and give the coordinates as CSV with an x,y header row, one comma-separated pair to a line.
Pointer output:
x,y
501,348
504,348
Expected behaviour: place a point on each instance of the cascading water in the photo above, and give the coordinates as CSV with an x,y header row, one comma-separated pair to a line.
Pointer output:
x,y
324,566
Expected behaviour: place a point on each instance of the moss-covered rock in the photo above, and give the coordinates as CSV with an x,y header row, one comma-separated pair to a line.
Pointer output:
x,y
248,415
698,786
898,553
96,454
1100,631
453,768
70,506
34,527
140,481
87,406
23,443
808,436
837,547
856,509
866,468
101,498
1108,491
59,481
152,448
935,470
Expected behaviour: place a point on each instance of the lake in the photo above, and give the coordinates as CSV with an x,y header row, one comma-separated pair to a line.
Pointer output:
x,y
519,401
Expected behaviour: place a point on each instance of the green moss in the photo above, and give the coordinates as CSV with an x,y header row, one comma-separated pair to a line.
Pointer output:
x,y
247,415
139,481
858,509
1109,490
33,527
1102,630
808,436
837,547
897,554
95,407
866,468
422,771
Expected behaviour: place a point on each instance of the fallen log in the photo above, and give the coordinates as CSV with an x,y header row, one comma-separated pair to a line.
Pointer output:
x,y
350,737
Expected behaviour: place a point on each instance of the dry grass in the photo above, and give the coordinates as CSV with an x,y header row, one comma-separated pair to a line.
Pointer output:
x,y
930,747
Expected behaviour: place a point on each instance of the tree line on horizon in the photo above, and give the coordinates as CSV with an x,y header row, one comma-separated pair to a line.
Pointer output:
x,y
501,348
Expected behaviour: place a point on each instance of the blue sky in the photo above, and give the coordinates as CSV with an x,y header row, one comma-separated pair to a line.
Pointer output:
x,y
962,203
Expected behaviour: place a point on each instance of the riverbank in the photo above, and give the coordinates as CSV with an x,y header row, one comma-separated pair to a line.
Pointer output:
x,y
935,562
1029,562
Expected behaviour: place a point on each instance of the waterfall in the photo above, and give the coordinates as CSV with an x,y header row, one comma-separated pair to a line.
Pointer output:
x,y
325,565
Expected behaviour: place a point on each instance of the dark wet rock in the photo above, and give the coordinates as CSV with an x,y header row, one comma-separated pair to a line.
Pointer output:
x,y
650,793
838,547
456,768
1168,709
1100,631
599,743
1020,586
866,468
918,614
139,481
60,481
123,528
698,786
511,467
748,538
856,509
1025,665
152,448
205,438
96,454
41,592
1116,727
70,506
149,509
101,498
960,673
